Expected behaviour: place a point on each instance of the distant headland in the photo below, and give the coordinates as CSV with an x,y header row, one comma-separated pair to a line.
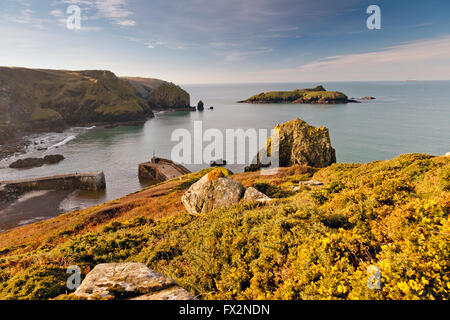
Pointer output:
x,y
38,100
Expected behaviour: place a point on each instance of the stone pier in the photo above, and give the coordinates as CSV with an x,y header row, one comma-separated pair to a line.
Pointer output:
x,y
92,181
160,170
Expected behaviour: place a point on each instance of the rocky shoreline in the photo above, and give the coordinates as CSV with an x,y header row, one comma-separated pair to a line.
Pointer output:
x,y
21,142
17,147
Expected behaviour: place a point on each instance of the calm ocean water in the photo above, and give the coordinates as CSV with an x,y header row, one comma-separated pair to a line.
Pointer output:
x,y
407,117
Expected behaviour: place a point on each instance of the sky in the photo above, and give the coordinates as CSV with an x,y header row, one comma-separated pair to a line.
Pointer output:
x,y
232,41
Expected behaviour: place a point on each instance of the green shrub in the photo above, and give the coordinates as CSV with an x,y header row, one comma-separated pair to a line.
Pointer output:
x,y
36,283
271,190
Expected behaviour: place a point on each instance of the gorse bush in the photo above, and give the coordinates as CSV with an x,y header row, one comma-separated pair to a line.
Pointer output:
x,y
36,283
271,190
317,244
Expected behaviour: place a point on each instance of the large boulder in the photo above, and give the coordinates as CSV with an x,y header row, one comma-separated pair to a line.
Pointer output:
x,y
174,293
53,159
27,163
129,280
212,192
301,143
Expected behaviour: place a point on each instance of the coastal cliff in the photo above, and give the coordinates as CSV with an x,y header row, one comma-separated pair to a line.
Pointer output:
x,y
51,100
317,95
161,95
35,100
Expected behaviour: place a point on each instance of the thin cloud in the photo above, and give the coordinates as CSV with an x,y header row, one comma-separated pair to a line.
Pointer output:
x,y
117,11
241,55
57,13
418,59
410,52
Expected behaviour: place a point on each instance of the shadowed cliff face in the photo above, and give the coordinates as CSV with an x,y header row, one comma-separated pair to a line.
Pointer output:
x,y
49,99
160,94
169,96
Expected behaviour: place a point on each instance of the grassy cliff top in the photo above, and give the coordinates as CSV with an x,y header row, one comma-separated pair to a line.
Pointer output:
x,y
316,243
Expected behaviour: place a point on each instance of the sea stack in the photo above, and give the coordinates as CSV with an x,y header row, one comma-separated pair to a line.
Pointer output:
x,y
299,143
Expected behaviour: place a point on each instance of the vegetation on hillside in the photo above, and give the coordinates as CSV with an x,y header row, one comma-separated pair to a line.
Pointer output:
x,y
314,95
169,95
317,243
45,99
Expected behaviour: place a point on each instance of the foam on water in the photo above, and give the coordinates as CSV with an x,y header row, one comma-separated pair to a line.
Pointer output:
x,y
65,141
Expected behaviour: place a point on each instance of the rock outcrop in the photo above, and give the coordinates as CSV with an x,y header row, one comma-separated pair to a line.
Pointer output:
x,y
317,95
36,162
200,106
169,96
129,281
174,293
212,192
251,194
161,95
309,183
144,85
301,143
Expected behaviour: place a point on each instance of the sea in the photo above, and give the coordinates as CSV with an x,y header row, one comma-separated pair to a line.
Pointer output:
x,y
406,117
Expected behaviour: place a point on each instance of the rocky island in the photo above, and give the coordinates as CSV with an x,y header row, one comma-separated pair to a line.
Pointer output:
x,y
317,95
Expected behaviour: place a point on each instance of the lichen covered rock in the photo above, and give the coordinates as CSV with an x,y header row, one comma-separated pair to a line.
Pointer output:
x,y
212,192
128,280
174,293
301,143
